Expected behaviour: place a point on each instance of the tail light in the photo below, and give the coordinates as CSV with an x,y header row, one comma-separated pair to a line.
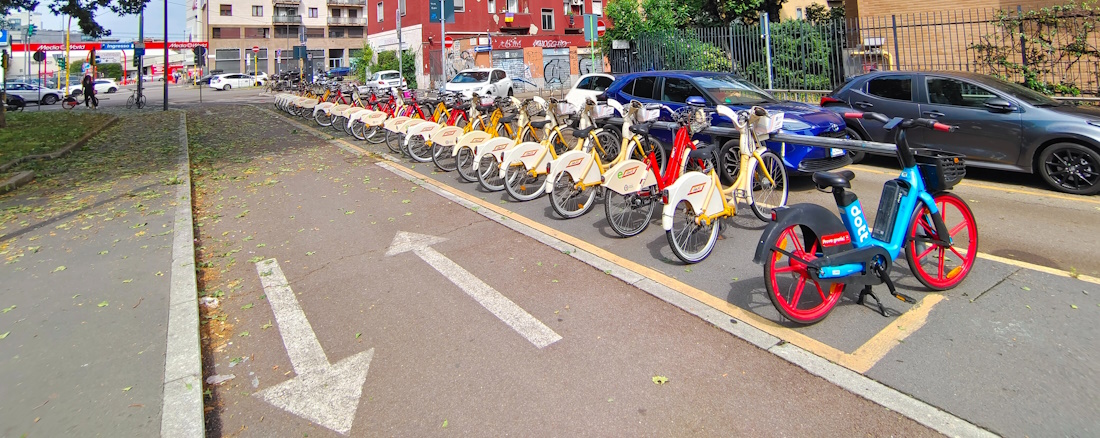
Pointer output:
x,y
829,99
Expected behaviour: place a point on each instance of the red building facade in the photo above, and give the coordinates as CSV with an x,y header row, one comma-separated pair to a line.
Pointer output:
x,y
538,41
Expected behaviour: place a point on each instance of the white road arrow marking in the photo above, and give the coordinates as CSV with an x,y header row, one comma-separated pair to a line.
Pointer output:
x,y
522,322
323,393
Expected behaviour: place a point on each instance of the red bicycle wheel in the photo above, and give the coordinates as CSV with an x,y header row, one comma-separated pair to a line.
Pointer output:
x,y
69,103
786,278
942,267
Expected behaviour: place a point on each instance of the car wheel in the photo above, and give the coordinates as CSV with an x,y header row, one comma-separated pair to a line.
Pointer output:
x,y
510,92
854,135
1070,168
49,99
729,162
226,87
111,90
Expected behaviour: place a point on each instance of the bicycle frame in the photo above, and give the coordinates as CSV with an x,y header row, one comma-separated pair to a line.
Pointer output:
x,y
583,163
624,177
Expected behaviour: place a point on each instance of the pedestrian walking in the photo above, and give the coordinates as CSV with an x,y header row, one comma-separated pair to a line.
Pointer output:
x,y
89,91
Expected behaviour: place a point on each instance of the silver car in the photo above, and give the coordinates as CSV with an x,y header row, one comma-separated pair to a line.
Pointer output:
x,y
32,93
384,80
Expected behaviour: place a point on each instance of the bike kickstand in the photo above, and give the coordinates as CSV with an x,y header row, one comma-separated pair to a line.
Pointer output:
x,y
893,291
866,292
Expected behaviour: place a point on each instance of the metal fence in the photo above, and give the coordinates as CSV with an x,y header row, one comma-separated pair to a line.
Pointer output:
x,y
1055,50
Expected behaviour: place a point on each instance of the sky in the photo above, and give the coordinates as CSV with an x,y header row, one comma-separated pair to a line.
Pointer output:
x,y
125,27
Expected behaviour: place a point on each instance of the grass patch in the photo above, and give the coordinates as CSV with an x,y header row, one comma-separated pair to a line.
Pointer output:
x,y
34,132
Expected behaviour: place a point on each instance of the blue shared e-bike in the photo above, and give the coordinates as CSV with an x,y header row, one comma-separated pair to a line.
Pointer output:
x,y
810,255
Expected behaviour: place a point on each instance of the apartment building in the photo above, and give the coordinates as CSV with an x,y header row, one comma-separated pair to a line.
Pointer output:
x,y
539,41
250,35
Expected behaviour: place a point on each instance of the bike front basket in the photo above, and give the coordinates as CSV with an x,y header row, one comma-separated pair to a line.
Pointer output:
x,y
940,170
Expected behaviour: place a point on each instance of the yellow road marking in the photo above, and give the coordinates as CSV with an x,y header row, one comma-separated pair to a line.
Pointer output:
x,y
969,183
868,354
1040,268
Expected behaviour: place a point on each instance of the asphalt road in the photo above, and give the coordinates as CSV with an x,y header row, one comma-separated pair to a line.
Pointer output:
x,y
479,331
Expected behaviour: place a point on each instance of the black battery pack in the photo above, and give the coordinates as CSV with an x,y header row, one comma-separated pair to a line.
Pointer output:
x,y
888,206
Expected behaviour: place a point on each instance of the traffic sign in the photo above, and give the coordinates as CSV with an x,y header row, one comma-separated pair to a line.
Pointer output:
x,y
600,27
590,27
39,56
3,37
255,49
448,42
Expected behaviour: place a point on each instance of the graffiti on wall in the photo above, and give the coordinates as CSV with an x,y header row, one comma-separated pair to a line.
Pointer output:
x,y
586,65
555,71
458,60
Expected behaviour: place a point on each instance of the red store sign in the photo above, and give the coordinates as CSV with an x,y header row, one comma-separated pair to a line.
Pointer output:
x,y
544,42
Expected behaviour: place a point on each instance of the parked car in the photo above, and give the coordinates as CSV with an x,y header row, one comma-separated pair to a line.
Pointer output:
x,y
383,80
672,88
102,85
14,102
30,93
338,72
589,85
231,80
484,81
261,77
1002,125
205,80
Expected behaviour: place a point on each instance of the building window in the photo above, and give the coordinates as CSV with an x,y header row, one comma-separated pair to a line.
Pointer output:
x,y
547,19
335,32
227,10
216,33
315,32
513,6
381,12
492,6
597,7
312,12
353,13
334,12
460,5
257,11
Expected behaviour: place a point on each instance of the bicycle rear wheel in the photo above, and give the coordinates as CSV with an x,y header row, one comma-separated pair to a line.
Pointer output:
x,y
322,118
786,277
130,102
419,149
441,156
69,103
465,164
394,141
691,242
942,267
567,200
521,185
375,134
628,215
767,195
141,102
488,174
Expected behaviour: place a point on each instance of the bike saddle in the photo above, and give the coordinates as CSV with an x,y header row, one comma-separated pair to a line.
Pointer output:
x,y
837,180
462,106
580,133
703,152
539,124
507,119
640,129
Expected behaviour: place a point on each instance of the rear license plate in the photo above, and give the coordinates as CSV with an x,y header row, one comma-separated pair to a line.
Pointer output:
x,y
834,152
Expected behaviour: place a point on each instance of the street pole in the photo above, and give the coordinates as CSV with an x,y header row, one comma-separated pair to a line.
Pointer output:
x,y
442,44
165,55
68,65
141,59
400,70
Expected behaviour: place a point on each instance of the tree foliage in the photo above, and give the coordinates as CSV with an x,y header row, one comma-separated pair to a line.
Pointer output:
x,y
84,11
361,64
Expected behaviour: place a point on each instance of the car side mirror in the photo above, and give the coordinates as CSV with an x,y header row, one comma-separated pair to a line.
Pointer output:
x,y
997,104
696,101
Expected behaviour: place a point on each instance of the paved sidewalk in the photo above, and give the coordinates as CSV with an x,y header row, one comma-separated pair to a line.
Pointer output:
x,y
87,263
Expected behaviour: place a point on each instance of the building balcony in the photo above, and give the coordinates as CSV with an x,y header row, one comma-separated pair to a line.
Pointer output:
x,y
286,2
286,19
347,21
347,2
520,23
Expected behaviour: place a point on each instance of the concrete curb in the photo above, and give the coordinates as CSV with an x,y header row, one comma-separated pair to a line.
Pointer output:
x,y
181,413
20,179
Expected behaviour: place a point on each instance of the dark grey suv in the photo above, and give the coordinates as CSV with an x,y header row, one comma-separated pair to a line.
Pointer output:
x,y
1001,125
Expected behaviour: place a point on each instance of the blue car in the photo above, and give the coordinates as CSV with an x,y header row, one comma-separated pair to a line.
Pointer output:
x,y
339,72
672,88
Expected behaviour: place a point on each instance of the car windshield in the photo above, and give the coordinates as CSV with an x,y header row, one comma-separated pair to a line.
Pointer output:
x,y
1023,93
469,77
731,90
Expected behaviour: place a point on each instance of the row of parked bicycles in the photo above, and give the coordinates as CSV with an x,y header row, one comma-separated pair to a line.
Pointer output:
x,y
602,153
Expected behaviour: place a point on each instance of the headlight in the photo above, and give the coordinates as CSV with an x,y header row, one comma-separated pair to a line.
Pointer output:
x,y
795,125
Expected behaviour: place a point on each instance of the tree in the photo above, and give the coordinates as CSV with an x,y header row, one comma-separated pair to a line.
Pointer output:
x,y
388,61
84,11
817,13
363,63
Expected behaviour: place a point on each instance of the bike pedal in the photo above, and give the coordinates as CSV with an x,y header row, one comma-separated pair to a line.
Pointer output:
x,y
905,298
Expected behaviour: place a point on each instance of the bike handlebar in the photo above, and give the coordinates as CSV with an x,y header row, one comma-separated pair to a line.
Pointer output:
x,y
883,118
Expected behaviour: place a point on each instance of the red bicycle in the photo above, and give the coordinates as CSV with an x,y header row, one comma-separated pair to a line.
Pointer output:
x,y
633,191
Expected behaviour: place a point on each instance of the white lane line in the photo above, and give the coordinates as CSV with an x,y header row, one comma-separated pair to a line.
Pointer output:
x,y
496,303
